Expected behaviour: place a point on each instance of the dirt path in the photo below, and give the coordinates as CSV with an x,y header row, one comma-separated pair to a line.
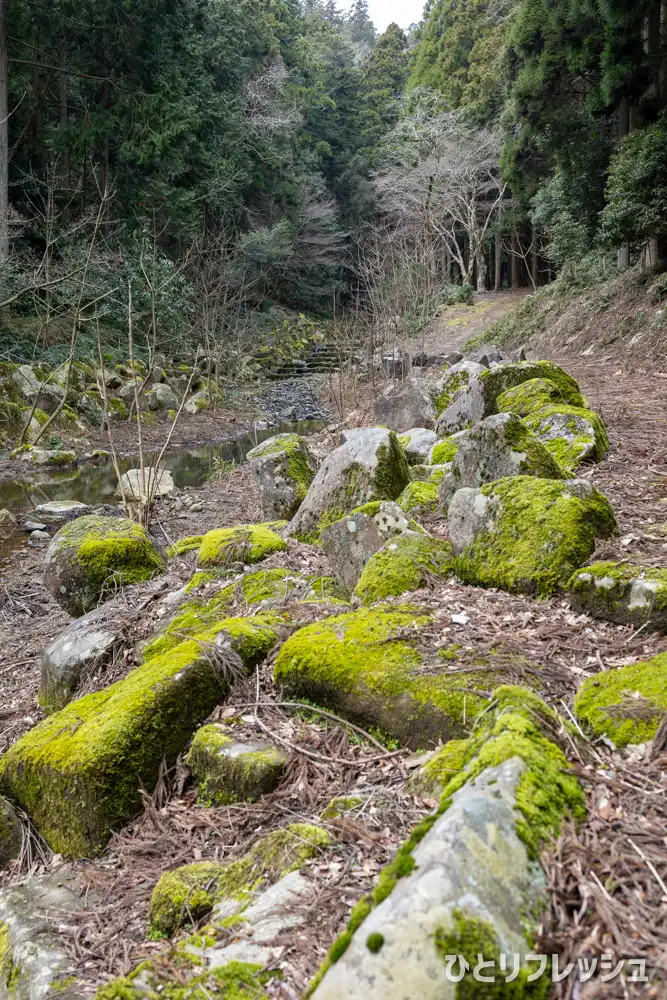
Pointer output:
x,y
457,324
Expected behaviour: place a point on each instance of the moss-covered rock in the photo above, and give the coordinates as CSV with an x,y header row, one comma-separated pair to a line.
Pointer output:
x,y
190,892
55,458
247,543
444,451
370,465
340,805
498,446
454,383
368,666
429,473
627,704
524,534
227,770
183,978
621,592
79,772
404,563
572,434
417,444
479,397
418,498
91,557
510,792
11,833
534,394
284,469
191,543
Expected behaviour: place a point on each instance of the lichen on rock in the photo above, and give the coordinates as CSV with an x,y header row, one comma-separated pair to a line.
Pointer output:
x,y
627,704
284,469
190,892
524,534
368,666
572,434
90,557
404,563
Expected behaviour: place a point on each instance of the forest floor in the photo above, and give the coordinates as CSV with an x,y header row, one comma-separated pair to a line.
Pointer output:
x,y
604,894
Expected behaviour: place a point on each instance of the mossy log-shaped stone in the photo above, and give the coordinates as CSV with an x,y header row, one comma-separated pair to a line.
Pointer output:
x,y
227,770
417,444
621,592
627,705
189,893
351,541
11,833
403,564
284,469
527,535
91,557
478,398
497,447
403,405
419,498
78,773
246,543
370,465
369,667
466,882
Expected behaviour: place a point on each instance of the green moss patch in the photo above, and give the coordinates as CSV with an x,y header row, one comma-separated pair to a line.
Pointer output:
x,y
368,666
572,434
248,543
627,704
183,545
422,496
533,395
433,776
539,532
91,556
190,893
443,451
406,562
78,773
181,978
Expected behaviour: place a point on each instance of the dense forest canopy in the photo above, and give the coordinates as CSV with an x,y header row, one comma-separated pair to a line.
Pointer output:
x,y
244,152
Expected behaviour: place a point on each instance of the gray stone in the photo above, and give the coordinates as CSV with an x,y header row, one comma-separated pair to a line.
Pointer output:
x,y
417,444
370,466
86,642
351,541
7,519
284,469
197,402
404,405
25,381
157,375
498,446
452,358
61,510
161,397
157,483
11,834
126,391
487,354
38,964
30,525
45,456
396,365
38,538
227,770
471,863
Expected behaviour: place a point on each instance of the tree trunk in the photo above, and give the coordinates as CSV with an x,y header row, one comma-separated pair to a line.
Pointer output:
x,y
481,268
4,139
662,96
623,258
514,261
63,118
497,262
534,262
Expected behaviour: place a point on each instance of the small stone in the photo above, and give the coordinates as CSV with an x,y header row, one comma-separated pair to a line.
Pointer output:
x,y
88,641
29,525
156,483
61,510
38,538
228,770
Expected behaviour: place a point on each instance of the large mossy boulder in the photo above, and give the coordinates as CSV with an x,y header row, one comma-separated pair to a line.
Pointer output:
x,y
91,557
466,887
572,434
527,535
189,893
621,592
497,447
404,405
79,773
284,469
626,705
370,465
405,563
478,396
246,543
227,769
369,666
351,540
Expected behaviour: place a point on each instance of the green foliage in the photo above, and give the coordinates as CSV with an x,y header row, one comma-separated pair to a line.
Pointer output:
x,y
636,208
